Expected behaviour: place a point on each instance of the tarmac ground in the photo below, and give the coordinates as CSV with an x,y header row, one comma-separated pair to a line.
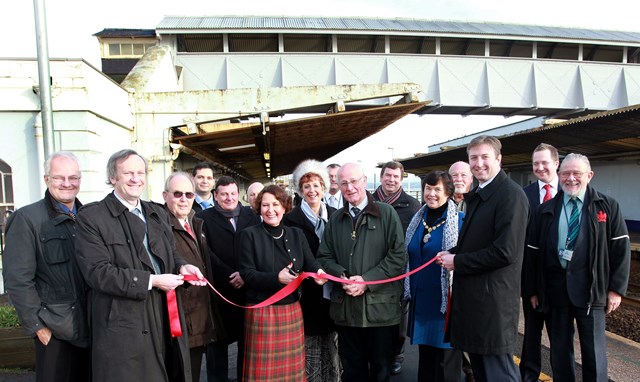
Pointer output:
x,y
623,356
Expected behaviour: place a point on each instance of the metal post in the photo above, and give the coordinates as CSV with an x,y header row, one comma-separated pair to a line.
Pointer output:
x,y
44,76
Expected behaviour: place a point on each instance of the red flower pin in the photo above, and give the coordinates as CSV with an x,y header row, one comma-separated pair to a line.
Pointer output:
x,y
602,217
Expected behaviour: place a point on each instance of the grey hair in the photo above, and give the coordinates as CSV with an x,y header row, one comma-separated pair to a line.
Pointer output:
x,y
176,174
59,154
579,157
118,156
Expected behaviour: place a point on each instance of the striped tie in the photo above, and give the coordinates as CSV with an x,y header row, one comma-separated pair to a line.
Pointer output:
x,y
574,225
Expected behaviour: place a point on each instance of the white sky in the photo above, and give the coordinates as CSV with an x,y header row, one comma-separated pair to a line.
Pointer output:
x,y
71,24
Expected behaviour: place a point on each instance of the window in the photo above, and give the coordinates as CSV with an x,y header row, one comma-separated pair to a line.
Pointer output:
x,y
128,49
6,198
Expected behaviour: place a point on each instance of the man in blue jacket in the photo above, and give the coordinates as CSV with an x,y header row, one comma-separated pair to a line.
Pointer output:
x,y
579,248
42,278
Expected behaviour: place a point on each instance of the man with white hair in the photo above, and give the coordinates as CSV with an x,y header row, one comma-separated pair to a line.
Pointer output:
x,y
462,179
252,192
363,241
579,250
42,278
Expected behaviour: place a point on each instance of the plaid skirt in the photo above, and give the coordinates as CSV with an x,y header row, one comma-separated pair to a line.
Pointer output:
x,y
274,344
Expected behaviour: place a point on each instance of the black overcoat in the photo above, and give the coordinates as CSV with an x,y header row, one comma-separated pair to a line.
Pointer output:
x,y
222,239
128,322
485,301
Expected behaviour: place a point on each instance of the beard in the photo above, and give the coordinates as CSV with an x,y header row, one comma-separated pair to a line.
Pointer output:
x,y
460,189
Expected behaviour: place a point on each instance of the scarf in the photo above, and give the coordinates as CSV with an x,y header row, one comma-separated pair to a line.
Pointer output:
x,y
449,240
229,214
389,199
318,222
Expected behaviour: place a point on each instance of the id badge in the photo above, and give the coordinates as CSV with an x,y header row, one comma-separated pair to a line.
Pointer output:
x,y
566,254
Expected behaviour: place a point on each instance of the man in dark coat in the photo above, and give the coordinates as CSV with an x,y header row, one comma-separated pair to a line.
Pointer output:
x,y
545,165
579,248
127,255
222,224
203,319
390,191
42,278
363,241
487,262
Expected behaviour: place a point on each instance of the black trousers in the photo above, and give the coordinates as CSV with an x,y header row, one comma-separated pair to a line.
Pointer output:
x,y
366,353
60,361
218,361
398,347
591,331
439,365
491,368
530,359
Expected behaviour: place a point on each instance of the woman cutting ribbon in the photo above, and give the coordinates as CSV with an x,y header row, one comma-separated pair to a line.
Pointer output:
x,y
433,228
271,256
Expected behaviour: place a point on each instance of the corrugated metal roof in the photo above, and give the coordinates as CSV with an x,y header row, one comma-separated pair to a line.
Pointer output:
x,y
114,32
390,25
607,133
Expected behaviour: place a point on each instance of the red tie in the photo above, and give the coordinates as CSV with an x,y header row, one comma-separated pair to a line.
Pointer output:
x,y
187,228
547,195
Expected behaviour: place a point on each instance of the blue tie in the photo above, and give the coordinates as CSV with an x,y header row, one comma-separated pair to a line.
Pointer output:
x,y
574,225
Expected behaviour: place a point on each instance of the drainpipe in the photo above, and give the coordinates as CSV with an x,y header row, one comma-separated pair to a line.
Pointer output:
x,y
40,151
44,77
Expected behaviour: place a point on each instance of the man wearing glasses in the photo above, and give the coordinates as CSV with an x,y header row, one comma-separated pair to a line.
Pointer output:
x,y
42,278
363,241
579,250
127,254
201,315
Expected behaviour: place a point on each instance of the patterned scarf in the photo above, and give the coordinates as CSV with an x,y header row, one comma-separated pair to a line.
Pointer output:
x,y
390,199
318,222
449,240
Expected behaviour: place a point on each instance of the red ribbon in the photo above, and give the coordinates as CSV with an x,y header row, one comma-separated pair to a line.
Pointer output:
x,y
174,315
292,286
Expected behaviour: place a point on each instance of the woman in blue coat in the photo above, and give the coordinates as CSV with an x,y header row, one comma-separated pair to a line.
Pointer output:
x,y
433,228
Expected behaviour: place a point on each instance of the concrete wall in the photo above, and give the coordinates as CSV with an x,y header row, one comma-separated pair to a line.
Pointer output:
x,y
91,117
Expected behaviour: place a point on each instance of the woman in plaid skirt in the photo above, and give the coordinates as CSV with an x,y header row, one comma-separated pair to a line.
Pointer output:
x,y
271,256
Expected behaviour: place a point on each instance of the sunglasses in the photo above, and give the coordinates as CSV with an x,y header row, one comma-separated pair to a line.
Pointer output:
x,y
178,194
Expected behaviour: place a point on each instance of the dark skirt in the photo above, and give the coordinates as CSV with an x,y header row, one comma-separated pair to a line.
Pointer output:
x,y
274,344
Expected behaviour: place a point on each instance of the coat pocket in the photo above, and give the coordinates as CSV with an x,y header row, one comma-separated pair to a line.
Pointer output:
x,y
382,307
66,321
56,247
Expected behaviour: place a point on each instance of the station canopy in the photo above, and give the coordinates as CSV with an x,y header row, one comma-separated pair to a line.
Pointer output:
x,y
268,148
609,134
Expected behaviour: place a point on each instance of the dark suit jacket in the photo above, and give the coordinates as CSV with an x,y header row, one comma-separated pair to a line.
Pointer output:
x,y
533,195
221,238
486,289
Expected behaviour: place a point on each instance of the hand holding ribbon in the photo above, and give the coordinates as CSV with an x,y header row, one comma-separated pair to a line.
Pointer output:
x,y
295,283
192,270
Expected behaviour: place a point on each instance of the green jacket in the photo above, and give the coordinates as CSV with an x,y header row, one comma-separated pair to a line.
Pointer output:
x,y
375,251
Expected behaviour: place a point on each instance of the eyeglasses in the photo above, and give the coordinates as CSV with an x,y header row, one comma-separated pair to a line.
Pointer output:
x,y
352,182
178,194
576,174
59,179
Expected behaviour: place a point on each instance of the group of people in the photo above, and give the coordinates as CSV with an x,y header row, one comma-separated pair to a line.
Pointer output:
x,y
102,288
